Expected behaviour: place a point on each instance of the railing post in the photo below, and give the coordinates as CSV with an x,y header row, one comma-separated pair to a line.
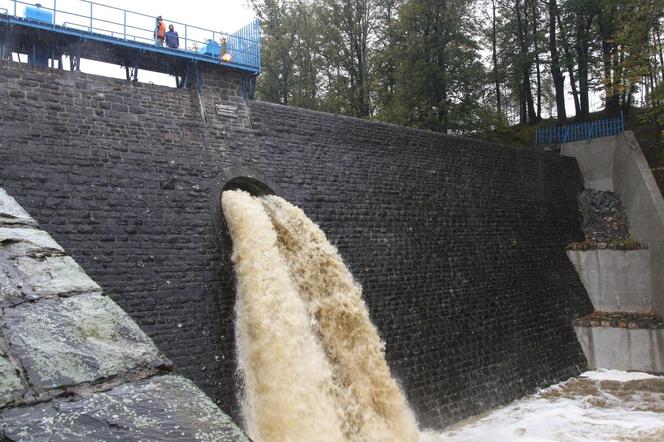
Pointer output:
x,y
258,43
55,8
90,17
14,8
125,24
185,38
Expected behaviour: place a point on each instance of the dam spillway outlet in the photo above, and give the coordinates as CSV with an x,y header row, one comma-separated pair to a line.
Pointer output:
x,y
312,362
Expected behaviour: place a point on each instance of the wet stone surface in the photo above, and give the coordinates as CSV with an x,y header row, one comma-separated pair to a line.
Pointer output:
x,y
12,213
160,408
66,341
604,218
10,382
33,265
38,238
54,275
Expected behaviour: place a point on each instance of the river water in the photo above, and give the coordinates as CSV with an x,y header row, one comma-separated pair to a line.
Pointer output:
x,y
602,405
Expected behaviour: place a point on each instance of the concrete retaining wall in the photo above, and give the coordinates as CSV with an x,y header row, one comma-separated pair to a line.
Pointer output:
x,y
623,348
616,280
617,164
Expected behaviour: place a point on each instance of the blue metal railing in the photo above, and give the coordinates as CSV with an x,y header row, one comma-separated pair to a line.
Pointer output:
x,y
120,26
580,131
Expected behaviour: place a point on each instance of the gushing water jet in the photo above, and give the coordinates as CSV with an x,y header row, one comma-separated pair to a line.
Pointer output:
x,y
312,362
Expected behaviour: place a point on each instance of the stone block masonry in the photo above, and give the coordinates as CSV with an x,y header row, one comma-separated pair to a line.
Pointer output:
x,y
459,244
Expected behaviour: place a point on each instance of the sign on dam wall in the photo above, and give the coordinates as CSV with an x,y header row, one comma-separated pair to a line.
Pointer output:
x,y
459,245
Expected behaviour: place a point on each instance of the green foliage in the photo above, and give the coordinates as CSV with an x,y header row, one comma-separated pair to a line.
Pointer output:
x,y
422,62
290,57
440,83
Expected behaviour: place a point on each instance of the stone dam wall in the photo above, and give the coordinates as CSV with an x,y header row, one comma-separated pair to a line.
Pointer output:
x,y
458,244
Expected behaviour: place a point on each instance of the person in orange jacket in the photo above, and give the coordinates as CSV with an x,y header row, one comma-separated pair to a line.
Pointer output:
x,y
160,31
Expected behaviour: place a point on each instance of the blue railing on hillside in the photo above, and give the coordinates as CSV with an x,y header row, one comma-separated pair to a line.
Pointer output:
x,y
580,131
102,22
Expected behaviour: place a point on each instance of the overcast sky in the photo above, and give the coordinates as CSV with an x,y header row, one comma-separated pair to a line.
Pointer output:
x,y
226,15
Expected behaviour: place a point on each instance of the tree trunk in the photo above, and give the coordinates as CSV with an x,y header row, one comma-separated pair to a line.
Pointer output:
x,y
661,50
620,79
653,66
582,49
569,65
443,111
606,29
495,57
526,97
558,79
537,60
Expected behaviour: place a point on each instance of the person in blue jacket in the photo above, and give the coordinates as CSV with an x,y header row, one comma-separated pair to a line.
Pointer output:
x,y
172,38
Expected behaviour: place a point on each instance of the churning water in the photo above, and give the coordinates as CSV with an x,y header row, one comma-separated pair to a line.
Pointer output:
x,y
602,405
313,364
314,367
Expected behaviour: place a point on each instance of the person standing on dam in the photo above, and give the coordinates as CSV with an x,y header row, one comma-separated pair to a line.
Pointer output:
x,y
172,38
160,32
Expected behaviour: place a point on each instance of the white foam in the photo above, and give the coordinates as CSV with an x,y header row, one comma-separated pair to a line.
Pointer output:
x,y
617,375
567,413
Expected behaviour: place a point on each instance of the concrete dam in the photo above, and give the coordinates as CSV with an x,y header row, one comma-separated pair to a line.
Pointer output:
x,y
458,244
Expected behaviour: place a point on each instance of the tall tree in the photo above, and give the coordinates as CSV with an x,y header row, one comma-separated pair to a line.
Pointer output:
x,y
440,78
494,54
556,73
636,20
585,13
385,56
607,24
535,13
569,63
289,52
527,106
347,27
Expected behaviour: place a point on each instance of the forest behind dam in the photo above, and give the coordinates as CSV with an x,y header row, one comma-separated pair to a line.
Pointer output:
x,y
468,67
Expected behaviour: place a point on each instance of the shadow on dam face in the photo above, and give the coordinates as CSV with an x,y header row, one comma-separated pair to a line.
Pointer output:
x,y
250,181
248,184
